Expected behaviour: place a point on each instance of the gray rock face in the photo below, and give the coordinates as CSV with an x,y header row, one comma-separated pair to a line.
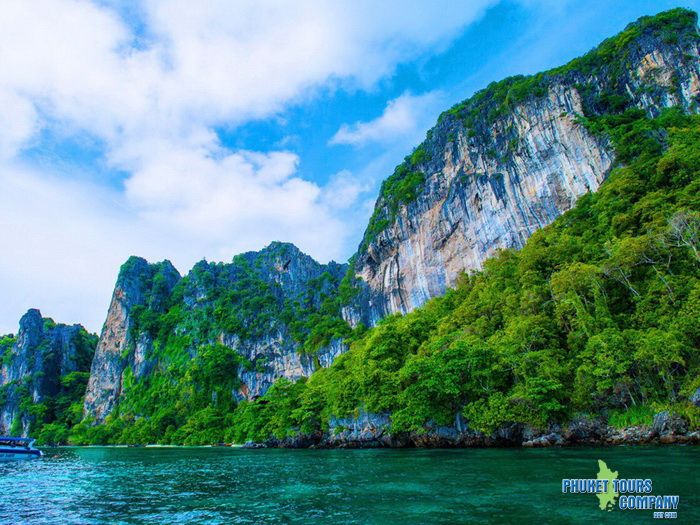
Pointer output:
x,y
275,356
327,355
584,430
695,398
366,429
278,356
548,440
32,367
138,284
666,423
369,430
279,273
273,352
489,185
661,421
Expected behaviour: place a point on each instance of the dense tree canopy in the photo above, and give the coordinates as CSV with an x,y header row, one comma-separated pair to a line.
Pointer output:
x,y
597,314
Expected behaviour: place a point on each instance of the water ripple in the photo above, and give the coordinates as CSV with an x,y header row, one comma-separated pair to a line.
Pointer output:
x,y
220,486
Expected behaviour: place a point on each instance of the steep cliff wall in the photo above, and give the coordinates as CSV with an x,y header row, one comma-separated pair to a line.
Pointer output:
x,y
139,285
266,306
511,159
297,286
34,366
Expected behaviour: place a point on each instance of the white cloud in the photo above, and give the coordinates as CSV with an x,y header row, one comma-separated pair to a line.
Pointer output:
x,y
19,122
402,118
214,195
152,93
343,190
205,63
62,246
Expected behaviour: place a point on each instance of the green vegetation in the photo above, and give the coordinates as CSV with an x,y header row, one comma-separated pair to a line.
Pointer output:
x,y
56,417
259,420
244,299
187,395
186,401
609,60
315,320
613,52
6,343
598,312
636,415
61,408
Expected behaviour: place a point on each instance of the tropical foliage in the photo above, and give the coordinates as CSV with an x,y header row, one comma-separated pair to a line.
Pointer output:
x,y
598,313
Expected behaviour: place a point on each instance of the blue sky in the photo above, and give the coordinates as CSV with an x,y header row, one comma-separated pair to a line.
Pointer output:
x,y
174,130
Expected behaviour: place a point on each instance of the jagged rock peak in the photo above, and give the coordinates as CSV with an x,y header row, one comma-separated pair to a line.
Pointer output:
x,y
142,282
31,325
140,285
277,247
30,318
33,364
286,251
245,304
137,268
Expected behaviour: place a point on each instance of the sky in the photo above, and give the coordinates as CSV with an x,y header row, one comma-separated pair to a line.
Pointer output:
x,y
182,130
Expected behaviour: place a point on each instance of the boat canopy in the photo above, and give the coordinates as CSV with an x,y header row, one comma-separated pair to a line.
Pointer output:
x,y
15,441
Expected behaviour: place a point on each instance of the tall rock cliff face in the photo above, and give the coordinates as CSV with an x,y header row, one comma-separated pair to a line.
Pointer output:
x,y
290,288
34,364
265,306
511,159
139,285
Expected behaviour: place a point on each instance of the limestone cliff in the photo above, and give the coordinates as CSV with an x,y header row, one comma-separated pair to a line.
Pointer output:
x,y
139,285
510,160
263,305
34,366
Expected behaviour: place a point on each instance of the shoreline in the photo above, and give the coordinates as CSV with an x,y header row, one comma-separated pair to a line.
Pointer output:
x,y
689,440
369,430
373,431
150,445
430,442
629,436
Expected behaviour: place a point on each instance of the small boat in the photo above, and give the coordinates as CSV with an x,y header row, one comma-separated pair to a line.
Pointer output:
x,y
18,448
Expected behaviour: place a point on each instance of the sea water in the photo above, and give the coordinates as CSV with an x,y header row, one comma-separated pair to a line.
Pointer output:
x,y
104,485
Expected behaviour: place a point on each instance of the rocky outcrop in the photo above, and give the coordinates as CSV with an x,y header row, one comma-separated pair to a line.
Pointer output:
x,y
695,398
274,356
248,305
33,364
497,168
277,356
364,430
289,277
139,285
368,430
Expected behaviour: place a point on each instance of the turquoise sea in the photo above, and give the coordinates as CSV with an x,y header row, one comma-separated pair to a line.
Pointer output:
x,y
223,485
